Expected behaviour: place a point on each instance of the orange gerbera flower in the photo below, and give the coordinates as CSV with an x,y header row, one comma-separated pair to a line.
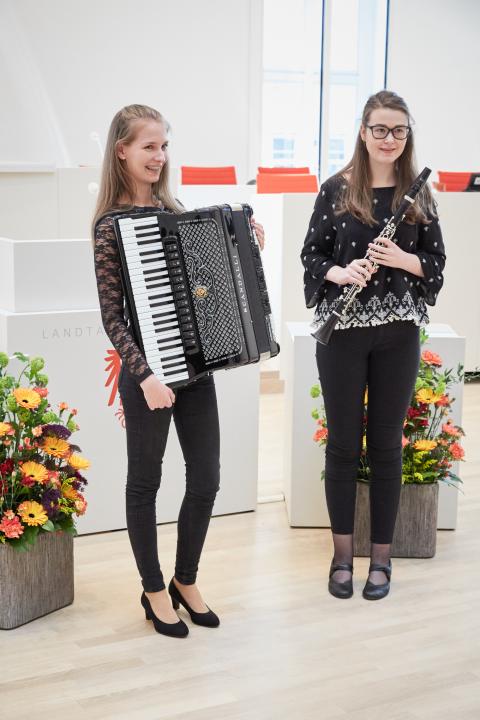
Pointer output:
x,y
431,358
425,445
78,462
27,398
4,428
69,492
426,395
56,446
34,471
32,513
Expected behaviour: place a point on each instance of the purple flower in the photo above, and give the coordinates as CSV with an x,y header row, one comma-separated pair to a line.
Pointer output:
x,y
81,480
58,430
50,500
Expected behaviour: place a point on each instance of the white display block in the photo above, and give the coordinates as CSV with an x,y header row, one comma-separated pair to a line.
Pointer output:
x,y
31,279
458,303
305,459
285,218
75,349
43,203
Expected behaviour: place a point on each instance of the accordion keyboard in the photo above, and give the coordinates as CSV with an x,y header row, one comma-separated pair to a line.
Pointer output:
x,y
154,294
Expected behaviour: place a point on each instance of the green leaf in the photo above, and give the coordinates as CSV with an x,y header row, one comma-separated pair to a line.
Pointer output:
x,y
48,526
21,357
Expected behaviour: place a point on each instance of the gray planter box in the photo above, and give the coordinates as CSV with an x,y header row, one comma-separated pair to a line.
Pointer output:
x,y
36,582
415,533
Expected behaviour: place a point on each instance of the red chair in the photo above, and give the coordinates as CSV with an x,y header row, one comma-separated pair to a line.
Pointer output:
x,y
284,170
286,183
452,181
208,175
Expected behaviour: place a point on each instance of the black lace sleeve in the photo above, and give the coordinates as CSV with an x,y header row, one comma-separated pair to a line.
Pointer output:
x,y
111,297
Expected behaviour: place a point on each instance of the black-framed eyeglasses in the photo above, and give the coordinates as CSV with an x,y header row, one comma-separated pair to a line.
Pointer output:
x,y
399,132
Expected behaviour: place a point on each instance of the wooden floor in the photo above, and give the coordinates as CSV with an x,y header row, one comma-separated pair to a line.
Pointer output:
x,y
285,649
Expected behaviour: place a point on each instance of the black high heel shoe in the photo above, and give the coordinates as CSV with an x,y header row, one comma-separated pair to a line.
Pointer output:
x,y
178,629
207,619
344,589
377,592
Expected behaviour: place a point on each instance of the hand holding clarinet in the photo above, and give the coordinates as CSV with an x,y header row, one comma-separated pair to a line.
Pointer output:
x,y
384,251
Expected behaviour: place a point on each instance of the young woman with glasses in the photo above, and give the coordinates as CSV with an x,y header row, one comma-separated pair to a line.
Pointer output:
x,y
376,344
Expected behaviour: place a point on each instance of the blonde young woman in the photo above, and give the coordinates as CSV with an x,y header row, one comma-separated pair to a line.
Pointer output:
x,y
377,343
135,179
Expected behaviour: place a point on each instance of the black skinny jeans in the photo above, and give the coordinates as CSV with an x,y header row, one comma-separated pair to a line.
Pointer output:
x,y
386,358
196,419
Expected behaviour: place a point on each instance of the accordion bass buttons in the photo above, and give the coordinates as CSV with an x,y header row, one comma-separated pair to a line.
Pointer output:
x,y
181,297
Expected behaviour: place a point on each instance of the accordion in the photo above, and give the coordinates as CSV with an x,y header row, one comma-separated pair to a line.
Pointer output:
x,y
195,291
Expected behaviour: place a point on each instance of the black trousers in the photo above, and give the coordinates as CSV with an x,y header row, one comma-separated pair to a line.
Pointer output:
x,y
196,420
386,358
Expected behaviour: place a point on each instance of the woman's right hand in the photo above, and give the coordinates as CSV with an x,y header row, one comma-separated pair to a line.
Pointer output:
x,y
359,271
156,393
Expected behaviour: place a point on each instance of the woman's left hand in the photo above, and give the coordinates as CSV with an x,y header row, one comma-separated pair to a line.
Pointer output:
x,y
388,253
259,232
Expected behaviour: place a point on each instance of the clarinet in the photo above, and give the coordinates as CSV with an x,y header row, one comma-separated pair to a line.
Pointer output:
x,y
323,334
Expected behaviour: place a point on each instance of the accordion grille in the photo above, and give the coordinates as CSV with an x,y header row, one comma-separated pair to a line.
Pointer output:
x,y
212,290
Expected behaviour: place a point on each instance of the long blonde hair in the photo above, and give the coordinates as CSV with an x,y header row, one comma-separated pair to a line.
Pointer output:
x,y
357,197
115,181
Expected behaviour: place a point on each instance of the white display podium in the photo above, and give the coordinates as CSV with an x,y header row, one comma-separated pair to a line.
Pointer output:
x,y
49,308
285,218
304,459
42,203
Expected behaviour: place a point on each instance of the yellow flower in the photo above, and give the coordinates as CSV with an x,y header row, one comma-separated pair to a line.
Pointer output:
x,y
78,462
69,492
426,395
425,445
35,471
4,428
27,398
32,513
55,446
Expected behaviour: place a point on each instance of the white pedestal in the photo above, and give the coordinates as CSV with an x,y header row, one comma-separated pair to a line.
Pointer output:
x,y
305,460
285,218
75,346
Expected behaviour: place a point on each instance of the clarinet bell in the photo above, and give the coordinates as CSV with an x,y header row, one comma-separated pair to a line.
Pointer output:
x,y
324,333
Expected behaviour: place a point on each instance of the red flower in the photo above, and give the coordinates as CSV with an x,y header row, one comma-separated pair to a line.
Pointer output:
x,y
6,468
457,451
42,391
320,434
413,413
431,358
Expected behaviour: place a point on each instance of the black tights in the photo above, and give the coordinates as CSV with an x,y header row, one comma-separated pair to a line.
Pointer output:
x,y
196,420
386,359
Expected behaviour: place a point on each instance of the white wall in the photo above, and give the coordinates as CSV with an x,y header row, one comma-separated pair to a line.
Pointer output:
x,y
67,67
433,64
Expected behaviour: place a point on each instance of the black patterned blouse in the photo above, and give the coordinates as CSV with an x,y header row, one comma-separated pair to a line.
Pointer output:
x,y
111,296
392,294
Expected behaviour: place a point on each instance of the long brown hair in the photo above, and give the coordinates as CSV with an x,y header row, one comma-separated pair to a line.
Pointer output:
x,y
115,181
357,196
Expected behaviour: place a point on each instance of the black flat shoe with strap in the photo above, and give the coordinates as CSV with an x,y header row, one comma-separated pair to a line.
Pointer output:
x,y
344,589
207,619
377,592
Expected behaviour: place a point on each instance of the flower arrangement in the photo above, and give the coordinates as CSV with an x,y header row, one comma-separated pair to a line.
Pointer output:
x,y
40,469
431,441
